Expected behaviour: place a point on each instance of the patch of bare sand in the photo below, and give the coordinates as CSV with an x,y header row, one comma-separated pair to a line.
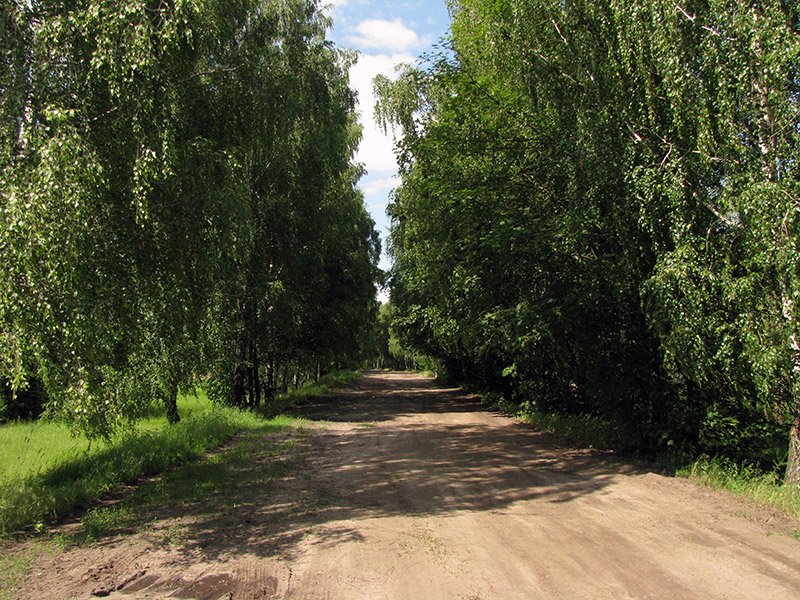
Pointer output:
x,y
413,491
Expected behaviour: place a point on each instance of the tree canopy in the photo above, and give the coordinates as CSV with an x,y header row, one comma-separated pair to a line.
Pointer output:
x,y
598,214
179,201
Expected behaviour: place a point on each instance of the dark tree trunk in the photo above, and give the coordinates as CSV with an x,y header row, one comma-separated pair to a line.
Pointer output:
x,y
249,392
237,386
171,403
285,384
270,383
256,380
239,382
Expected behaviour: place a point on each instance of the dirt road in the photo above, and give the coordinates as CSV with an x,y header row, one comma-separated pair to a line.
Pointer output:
x,y
410,491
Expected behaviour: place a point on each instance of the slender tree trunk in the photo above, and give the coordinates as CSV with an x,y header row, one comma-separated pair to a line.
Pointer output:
x,y
249,395
765,118
793,463
792,476
256,380
239,383
237,386
270,383
285,383
171,403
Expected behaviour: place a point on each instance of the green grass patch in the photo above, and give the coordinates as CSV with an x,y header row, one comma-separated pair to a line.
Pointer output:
x,y
326,384
587,430
33,448
46,473
766,489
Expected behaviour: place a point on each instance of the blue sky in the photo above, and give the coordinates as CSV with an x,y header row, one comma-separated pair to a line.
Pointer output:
x,y
385,34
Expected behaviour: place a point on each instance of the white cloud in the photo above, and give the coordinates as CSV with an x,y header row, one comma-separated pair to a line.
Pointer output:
x,y
380,185
385,35
376,149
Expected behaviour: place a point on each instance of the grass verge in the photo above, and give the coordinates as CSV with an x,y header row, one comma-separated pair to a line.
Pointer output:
x,y
46,473
324,385
765,489
33,448
587,430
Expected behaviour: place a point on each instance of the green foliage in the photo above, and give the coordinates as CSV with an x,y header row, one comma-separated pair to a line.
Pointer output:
x,y
178,202
384,349
376,344
598,216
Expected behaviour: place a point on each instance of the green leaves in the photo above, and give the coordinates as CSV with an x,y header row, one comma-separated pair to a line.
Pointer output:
x,y
600,198
176,181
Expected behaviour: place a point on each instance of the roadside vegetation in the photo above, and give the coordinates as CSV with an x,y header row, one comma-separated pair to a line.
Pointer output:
x,y
180,210
46,472
599,220
764,486
177,212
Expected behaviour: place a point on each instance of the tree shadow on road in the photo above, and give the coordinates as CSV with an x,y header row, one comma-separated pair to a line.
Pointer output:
x,y
399,459
384,396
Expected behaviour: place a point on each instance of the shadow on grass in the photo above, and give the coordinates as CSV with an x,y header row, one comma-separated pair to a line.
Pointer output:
x,y
28,503
191,485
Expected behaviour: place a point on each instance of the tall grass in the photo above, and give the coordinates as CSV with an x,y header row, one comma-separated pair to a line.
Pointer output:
x,y
766,489
45,472
56,480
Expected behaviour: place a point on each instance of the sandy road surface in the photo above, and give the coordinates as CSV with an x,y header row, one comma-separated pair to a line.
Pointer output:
x,y
417,492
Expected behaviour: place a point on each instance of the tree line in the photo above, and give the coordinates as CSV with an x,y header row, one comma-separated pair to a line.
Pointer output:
x,y
599,214
179,202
